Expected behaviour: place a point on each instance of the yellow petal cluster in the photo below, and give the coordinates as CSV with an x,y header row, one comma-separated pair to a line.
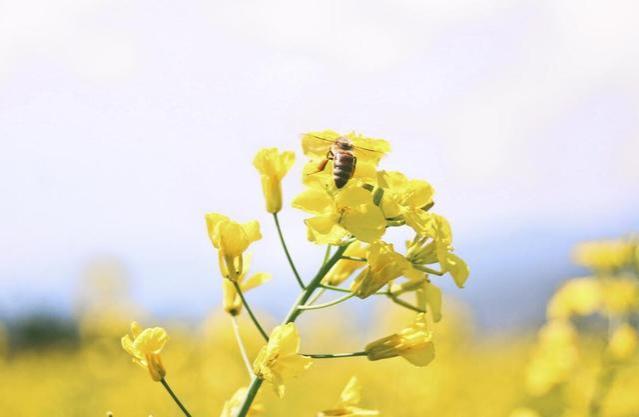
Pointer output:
x,y
231,239
339,213
145,347
607,255
435,246
348,404
384,265
413,343
273,166
233,405
590,295
280,358
407,199
554,358
232,302
344,268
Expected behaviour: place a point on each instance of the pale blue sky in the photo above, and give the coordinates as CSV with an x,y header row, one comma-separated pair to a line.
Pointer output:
x,y
123,122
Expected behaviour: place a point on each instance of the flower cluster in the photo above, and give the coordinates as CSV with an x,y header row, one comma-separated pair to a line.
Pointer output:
x,y
611,295
351,205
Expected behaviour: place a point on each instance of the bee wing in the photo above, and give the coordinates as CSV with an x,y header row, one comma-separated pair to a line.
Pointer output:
x,y
369,149
316,144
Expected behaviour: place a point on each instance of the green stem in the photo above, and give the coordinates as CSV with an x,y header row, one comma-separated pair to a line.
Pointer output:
x,y
291,317
428,270
327,254
328,304
338,289
317,295
240,344
403,303
250,396
250,312
175,398
288,255
334,355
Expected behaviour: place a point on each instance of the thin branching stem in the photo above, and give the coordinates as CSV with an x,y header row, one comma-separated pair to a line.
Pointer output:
x,y
327,254
175,398
405,304
250,312
241,346
345,290
426,269
292,315
328,304
316,296
288,255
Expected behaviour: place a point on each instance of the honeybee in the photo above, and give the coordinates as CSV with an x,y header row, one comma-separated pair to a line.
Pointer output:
x,y
342,153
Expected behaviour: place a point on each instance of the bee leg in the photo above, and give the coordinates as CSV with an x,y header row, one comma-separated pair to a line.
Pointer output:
x,y
320,167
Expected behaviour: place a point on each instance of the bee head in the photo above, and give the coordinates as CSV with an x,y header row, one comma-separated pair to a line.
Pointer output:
x,y
344,143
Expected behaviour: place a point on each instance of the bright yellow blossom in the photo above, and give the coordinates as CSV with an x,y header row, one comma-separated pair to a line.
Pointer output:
x,y
554,358
404,198
605,255
233,405
436,246
232,301
414,344
578,296
145,347
347,406
273,166
344,268
350,210
384,265
620,296
623,343
368,152
231,239
280,358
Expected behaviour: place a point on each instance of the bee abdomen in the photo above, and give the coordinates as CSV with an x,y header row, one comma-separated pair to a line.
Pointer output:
x,y
343,166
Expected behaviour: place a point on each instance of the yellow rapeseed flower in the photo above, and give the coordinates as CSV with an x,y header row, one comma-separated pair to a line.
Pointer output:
x,y
145,347
414,344
231,299
347,406
578,296
383,266
436,246
350,210
554,358
273,166
231,239
605,255
623,343
406,199
344,268
620,296
280,358
233,405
